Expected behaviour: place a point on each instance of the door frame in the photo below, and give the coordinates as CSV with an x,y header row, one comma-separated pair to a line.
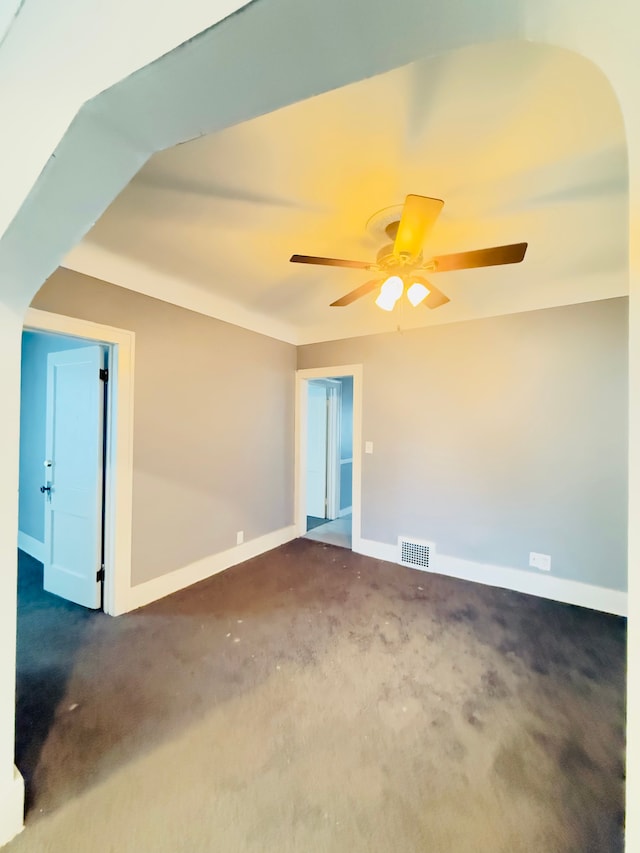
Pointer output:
x,y
119,461
301,420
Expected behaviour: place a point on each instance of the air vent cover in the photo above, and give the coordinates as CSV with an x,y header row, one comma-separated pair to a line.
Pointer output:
x,y
415,553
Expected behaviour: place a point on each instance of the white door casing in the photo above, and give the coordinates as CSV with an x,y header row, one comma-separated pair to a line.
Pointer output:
x,y
74,475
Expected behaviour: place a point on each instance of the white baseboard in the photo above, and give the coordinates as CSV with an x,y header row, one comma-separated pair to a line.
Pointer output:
x,y
345,511
378,550
519,580
11,808
31,546
157,588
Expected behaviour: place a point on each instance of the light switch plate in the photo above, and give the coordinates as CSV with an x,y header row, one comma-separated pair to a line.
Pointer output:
x,y
368,447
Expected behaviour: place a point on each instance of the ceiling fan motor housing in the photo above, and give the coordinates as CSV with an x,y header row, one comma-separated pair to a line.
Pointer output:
x,y
386,259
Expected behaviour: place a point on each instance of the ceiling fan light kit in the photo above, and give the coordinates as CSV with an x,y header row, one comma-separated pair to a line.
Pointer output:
x,y
392,290
400,260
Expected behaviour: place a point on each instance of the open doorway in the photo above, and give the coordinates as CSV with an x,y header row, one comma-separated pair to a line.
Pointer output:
x,y
328,418
119,346
329,460
64,435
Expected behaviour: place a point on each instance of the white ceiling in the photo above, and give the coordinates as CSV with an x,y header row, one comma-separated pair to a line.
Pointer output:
x,y
523,142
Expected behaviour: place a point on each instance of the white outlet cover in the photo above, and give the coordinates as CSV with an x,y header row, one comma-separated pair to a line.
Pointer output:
x,y
540,561
239,537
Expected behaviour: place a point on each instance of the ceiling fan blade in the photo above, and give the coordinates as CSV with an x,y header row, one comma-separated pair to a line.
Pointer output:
x,y
435,298
348,298
418,217
511,254
329,262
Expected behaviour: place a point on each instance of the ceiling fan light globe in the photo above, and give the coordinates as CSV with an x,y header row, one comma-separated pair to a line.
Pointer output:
x,y
390,292
385,302
417,293
393,287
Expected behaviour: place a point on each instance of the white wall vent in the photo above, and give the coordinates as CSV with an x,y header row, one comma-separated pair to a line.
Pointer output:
x,y
415,553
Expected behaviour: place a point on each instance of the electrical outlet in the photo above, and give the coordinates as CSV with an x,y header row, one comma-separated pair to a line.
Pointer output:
x,y
540,561
239,537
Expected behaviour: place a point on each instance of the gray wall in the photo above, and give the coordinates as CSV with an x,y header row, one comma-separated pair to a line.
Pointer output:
x,y
497,437
36,346
213,433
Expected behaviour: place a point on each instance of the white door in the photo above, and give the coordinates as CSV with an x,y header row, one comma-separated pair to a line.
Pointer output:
x,y
317,450
334,396
73,475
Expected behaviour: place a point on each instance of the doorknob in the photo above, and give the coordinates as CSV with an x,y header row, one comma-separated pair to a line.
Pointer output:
x,y
44,489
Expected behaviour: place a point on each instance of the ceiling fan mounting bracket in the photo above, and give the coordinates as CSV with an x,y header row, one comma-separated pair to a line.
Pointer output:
x,y
387,218
391,229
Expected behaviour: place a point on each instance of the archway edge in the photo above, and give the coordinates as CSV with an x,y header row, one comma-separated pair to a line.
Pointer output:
x,y
233,73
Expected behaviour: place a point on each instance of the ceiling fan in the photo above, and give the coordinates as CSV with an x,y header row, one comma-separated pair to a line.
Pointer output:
x,y
400,262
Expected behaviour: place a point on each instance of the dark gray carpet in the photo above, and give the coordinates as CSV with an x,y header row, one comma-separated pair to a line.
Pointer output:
x,y
315,700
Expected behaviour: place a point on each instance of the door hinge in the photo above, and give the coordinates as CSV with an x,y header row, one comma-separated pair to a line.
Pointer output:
x,y
100,574
104,374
